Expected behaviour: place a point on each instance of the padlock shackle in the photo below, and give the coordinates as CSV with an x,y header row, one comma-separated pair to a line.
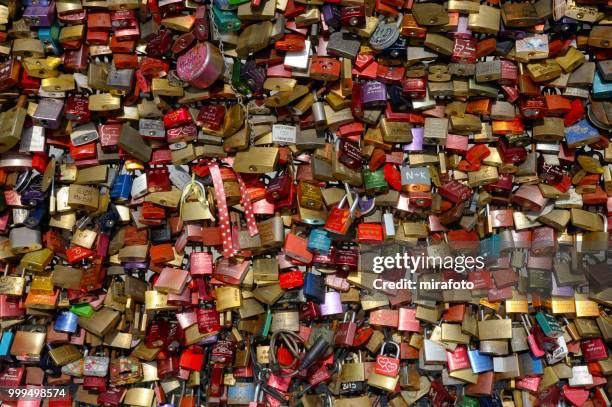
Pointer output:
x,y
397,348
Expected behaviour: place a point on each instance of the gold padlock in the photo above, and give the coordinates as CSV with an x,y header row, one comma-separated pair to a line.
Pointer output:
x,y
83,197
256,160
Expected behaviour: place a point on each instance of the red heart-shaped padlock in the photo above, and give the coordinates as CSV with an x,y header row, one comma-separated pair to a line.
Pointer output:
x,y
575,396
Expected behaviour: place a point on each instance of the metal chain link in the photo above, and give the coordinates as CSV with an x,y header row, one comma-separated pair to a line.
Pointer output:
x,y
228,74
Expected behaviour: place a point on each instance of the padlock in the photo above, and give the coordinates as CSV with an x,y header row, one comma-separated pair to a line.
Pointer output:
x,y
346,331
313,287
340,219
318,241
386,373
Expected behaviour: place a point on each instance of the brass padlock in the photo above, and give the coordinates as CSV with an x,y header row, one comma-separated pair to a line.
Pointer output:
x,y
132,142
83,197
544,71
256,160
11,125
37,260
254,38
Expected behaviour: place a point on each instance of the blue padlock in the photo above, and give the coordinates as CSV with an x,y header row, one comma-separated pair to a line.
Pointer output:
x,y
50,38
121,188
480,362
108,220
493,401
66,321
319,241
224,5
399,49
6,342
581,134
331,16
399,101
530,365
314,290
35,216
601,89
491,246
241,393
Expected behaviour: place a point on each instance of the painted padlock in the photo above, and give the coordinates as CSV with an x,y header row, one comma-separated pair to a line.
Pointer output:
x,y
200,66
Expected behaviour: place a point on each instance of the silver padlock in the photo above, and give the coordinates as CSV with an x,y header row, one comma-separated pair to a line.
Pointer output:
x,y
151,129
19,216
559,353
139,186
24,240
389,223
580,376
343,44
84,134
318,111
386,33
32,140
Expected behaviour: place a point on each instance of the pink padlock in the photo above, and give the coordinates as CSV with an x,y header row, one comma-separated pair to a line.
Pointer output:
x,y
200,66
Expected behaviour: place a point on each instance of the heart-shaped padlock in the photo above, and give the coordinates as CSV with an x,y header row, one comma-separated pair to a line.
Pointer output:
x,y
386,33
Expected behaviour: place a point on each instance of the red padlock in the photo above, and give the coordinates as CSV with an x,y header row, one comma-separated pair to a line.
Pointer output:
x,y
208,320
362,335
192,358
75,254
458,359
200,263
477,153
177,117
291,279
345,334
388,365
455,191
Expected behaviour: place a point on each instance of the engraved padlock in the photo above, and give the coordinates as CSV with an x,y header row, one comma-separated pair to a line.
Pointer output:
x,y
386,33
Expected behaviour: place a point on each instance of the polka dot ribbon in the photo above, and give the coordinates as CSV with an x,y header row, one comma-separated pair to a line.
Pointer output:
x,y
224,220
248,207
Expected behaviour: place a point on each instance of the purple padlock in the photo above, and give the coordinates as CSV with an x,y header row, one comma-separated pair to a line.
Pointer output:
x,y
366,204
509,32
418,134
561,291
332,304
254,75
209,340
462,28
48,113
33,194
39,15
135,265
36,2
374,94
331,16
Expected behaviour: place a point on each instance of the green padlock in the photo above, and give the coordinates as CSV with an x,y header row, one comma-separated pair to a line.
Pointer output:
x,y
375,182
468,401
238,81
226,20
549,324
265,328
82,310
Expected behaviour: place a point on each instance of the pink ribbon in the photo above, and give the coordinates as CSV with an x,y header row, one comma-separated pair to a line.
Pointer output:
x,y
224,220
